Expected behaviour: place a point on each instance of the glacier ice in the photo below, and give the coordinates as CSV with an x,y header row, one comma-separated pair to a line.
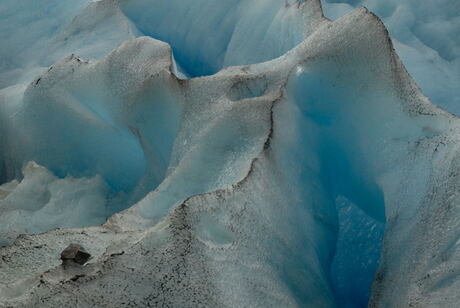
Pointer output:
x,y
41,202
243,154
425,35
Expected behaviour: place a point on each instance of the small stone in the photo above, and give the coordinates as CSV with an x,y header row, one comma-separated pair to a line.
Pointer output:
x,y
75,253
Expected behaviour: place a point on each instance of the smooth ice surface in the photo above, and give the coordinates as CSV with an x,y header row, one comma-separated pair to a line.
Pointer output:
x,y
322,177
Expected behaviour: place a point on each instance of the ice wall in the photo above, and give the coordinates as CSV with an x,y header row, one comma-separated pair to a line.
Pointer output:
x,y
231,33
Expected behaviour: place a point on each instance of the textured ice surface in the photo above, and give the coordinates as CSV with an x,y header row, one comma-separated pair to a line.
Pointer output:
x,y
41,202
425,35
352,273
264,184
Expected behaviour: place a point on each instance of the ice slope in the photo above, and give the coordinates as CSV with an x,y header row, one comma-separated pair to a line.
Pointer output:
x,y
41,202
98,126
99,131
37,33
33,38
252,183
105,124
210,34
425,35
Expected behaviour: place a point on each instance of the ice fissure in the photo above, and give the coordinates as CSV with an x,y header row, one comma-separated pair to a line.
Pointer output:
x,y
321,177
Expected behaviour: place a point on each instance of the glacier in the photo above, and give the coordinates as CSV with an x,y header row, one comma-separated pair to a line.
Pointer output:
x,y
238,153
